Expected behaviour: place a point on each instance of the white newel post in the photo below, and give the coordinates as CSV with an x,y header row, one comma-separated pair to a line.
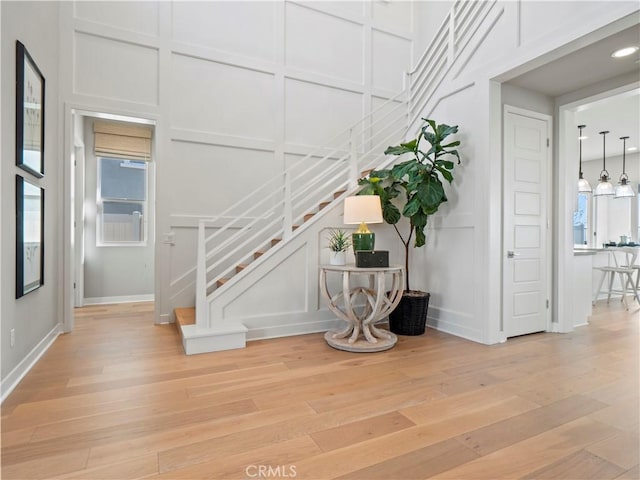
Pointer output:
x,y
287,217
353,160
202,306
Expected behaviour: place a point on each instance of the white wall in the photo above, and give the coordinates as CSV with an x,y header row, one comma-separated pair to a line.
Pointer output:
x,y
114,272
35,316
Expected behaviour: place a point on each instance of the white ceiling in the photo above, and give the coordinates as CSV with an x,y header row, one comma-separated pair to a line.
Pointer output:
x,y
588,66
619,115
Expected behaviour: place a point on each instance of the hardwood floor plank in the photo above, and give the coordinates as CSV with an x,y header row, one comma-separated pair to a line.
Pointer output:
x,y
281,457
422,463
622,449
501,434
177,437
582,465
104,435
139,467
532,454
356,432
46,467
367,453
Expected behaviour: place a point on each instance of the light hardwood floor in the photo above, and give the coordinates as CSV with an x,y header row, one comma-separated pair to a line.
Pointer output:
x,y
117,399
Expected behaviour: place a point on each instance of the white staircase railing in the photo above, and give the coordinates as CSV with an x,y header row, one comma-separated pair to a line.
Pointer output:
x,y
276,210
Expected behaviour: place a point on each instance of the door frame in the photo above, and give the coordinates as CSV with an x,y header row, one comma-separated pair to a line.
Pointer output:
x,y
549,194
70,199
566,194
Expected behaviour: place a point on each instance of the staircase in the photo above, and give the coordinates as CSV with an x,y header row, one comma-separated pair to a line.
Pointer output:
x,y
294,201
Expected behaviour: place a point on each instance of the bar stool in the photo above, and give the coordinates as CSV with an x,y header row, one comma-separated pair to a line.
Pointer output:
x,y
624,259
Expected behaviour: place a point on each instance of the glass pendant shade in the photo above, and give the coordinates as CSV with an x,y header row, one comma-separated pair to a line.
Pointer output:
x,y
604,187
583,184
624,190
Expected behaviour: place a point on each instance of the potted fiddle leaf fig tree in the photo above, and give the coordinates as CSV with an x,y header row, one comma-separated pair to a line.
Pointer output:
x,y
414,189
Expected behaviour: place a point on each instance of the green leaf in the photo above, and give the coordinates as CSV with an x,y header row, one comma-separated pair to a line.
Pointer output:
x,y
402,148
411,207
367,190
445,163
390,213
403,169
445,173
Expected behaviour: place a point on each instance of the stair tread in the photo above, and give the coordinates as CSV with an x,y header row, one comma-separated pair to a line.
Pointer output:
x,y
185,316
338,193
222,281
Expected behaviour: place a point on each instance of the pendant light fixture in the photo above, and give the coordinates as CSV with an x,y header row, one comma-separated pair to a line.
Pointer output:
x,y
583,184
624,189
604,187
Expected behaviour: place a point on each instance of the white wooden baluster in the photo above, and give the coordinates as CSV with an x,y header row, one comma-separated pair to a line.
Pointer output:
x,y
451,52
353,160
287,218
202,306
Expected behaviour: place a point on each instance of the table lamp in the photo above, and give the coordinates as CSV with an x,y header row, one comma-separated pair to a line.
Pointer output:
x,y
362,209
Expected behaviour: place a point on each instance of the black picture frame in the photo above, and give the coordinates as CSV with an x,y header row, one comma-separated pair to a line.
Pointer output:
x,y
30,88
29,236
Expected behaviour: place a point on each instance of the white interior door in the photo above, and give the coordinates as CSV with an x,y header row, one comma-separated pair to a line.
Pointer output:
x,y
526,227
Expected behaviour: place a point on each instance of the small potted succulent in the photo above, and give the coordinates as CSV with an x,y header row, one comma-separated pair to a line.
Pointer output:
x,y
339,243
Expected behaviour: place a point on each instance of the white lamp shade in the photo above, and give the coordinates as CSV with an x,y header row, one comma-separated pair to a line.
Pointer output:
x,y
584,186
362,208
624,190
604,188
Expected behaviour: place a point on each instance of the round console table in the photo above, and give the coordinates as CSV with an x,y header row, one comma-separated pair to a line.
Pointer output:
x,y
377,302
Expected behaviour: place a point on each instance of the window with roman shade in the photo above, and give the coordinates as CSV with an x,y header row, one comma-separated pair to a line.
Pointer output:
x,y
123,152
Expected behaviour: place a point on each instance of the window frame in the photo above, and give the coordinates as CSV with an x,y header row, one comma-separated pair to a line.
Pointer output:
x,y
100,242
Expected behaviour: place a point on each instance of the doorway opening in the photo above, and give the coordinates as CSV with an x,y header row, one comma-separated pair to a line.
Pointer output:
x,y
112,185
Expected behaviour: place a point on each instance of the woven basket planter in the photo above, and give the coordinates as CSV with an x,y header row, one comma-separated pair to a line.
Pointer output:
x,y
410,316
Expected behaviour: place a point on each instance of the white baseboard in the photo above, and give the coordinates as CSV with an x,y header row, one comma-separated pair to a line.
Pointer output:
x,y
17,374
122,299
452,322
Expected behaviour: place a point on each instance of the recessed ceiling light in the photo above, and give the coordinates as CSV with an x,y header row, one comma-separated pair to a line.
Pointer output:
x,y
624,52
583,137
632,149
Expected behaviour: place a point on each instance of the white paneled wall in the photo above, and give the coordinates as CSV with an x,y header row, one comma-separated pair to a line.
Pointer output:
x,y
115,69
238,90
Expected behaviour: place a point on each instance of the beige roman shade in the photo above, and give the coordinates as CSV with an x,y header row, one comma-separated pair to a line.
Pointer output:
x,y
119,140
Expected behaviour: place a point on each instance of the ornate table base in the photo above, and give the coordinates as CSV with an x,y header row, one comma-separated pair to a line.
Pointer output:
x,y
360,334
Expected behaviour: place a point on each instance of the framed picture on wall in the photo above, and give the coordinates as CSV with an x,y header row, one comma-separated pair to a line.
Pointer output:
x,y
29,236
29,113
